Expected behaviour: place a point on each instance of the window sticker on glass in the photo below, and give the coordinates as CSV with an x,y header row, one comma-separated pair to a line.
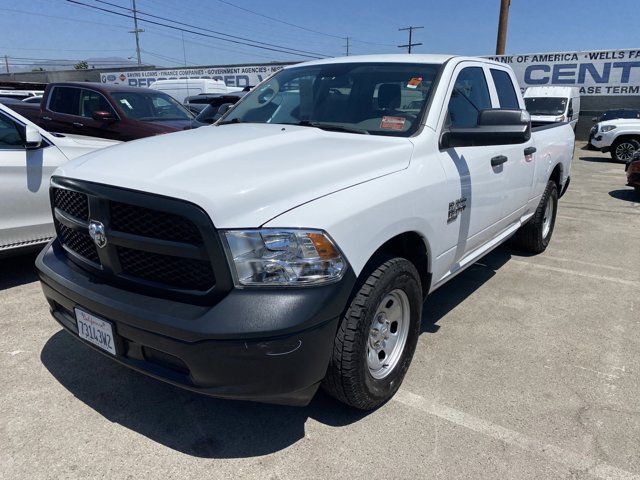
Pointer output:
x,y
414,82
392,123
126,103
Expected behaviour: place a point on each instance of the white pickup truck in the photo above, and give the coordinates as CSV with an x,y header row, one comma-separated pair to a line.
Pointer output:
x,y
28,157
292,244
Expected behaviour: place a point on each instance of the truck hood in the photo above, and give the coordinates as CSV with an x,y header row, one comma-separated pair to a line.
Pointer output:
x,y
243,175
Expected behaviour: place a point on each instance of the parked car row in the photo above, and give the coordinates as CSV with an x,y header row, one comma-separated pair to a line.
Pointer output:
x,y
114,112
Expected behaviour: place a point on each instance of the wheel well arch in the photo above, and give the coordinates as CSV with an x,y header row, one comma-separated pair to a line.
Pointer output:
x,y
626,136
412,246
556,176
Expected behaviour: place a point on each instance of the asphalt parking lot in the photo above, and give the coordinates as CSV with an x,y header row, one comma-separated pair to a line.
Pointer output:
x,y
528,367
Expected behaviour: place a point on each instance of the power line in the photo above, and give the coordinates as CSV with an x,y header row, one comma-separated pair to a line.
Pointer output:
x,y
300,26
208,30
232,39
410,44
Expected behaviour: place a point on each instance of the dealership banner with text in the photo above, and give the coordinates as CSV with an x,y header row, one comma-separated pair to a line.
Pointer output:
x,y
232,76
609,72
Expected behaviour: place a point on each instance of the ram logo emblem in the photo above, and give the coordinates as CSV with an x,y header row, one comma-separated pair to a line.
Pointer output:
x,y
97,234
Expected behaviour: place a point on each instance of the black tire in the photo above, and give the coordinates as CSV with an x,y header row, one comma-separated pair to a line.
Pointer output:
x,y
349,378
622,150
531,236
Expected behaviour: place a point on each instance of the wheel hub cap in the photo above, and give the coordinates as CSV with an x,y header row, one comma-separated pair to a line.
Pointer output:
x,y
388,333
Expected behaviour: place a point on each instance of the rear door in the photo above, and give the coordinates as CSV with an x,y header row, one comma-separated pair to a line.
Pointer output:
x,y
518,170
25,215
478,207
62,111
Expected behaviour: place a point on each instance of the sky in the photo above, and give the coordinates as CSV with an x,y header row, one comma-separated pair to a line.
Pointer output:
x,y
47,30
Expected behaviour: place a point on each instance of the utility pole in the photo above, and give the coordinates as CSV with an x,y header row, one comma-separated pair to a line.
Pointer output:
x,y
410,44
501,43
136,30
347,45
6,63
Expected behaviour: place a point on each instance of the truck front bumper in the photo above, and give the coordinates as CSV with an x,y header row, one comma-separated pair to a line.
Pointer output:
x,y
264,344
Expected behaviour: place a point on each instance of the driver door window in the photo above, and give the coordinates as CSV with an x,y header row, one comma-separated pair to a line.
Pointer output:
x,y
91,101
470,95
10,138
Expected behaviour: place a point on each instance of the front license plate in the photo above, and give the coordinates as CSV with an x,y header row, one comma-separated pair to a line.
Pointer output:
x,y
95,330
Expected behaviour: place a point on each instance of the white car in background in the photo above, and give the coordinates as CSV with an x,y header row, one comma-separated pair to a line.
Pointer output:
x,y
620,137
28,157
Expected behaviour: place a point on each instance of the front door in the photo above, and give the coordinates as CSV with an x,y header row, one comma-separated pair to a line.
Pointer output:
x,y
478,206
25,214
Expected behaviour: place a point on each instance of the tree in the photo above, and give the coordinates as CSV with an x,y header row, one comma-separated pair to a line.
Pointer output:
x,y
82,65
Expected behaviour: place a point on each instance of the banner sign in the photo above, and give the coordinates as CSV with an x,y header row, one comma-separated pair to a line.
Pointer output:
x,y
232,75
610,72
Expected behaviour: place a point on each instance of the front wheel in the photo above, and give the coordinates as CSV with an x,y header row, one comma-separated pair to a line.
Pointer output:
x,y
377,336
535,235
623,150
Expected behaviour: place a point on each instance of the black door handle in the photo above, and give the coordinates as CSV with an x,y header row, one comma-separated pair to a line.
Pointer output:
x,y
499,160
529,151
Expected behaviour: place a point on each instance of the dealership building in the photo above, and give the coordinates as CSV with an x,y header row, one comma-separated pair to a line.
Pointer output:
x,y
606,79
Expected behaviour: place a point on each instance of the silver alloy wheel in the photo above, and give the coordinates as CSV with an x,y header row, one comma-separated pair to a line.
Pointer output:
x,y
624,151
388,333
546,219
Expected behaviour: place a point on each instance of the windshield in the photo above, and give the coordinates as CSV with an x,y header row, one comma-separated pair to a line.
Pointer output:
x,y
546,105
148,106
374,98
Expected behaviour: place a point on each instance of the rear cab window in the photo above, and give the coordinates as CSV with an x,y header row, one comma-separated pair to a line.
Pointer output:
x,y
505,89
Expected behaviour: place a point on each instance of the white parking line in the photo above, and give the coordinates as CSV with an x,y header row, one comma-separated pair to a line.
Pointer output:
x,y
582,262
573,460
622,281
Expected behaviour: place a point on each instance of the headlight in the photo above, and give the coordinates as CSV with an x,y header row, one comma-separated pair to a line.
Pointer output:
x,y
284,257
607,128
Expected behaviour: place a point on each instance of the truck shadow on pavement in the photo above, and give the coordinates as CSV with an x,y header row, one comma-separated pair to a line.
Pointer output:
x,y
206,427
16,271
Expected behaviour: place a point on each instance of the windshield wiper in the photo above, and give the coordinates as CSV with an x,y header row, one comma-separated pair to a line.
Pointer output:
x,y
331,127
233,120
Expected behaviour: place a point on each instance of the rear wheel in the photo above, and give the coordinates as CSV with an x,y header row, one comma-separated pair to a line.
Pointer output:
x,y
535,235
623,150
376,339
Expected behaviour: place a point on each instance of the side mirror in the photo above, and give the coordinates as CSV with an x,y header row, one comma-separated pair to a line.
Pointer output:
x,y
224,108
32,138
570,113
496,126
594,119
103,116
